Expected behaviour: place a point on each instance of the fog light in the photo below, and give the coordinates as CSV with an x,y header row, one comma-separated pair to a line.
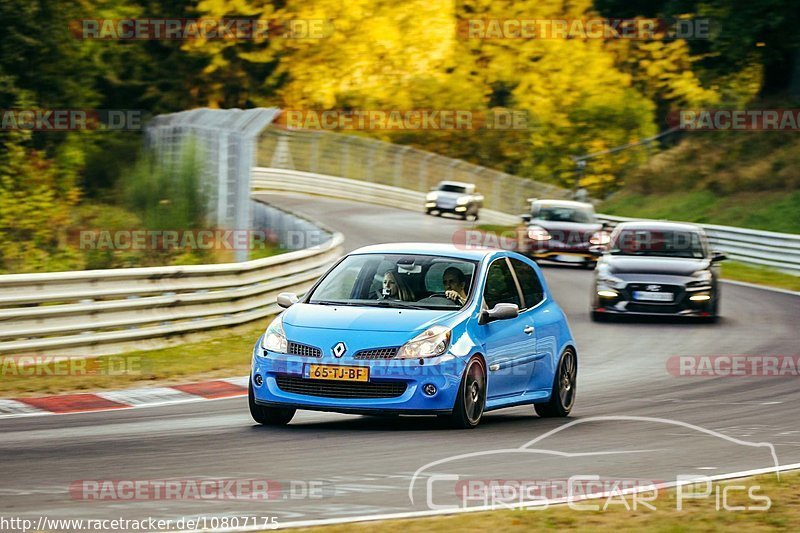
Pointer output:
x,y
700,298
258,380
459,209
607,293
429,389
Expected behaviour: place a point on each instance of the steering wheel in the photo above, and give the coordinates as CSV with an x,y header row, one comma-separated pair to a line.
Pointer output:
x,y
439,294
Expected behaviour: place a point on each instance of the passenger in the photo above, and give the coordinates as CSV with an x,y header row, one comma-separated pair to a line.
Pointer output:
x,y
395,288
454,285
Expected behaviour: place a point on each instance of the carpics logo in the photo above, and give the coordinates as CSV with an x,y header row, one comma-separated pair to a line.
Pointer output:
x,y
734,366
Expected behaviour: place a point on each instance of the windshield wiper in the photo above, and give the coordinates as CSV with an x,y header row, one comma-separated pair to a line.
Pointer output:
x,y
376,303
327,302
397,304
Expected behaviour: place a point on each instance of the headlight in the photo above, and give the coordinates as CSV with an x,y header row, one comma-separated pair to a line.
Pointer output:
x,y
431,196
537,233
701,280
274,339
429,343
600,238
463,200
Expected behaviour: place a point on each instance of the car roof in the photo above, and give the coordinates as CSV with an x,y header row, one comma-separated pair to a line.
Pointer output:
x,y
563,203
660,225
429,248
458,183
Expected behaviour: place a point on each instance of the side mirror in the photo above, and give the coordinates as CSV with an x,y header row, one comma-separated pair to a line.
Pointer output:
x,y
608,227
500,312
718,256
526,218
287,299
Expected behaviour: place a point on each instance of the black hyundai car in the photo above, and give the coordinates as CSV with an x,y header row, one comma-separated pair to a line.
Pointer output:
x,y
657,268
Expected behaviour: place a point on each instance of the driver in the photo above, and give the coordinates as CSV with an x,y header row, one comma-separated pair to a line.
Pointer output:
x,y
394,288
455,283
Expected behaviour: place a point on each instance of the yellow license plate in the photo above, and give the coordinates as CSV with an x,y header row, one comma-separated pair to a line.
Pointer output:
x,y
339,373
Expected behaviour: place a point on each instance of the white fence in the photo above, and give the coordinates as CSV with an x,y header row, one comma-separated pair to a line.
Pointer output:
x,y
111,311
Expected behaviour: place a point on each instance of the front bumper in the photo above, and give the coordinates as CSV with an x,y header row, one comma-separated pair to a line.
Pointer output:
x,y
286,383
554,250
682,304
457,209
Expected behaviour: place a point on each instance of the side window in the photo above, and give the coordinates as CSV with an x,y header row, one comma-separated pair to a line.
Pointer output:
x,y
532,290
500,286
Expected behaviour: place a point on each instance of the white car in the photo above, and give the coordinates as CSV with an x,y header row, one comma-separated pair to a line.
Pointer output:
x,y
454,197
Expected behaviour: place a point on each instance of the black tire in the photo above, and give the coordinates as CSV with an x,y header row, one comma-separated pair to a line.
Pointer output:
x,y
268,416
563,397
599,317
471,399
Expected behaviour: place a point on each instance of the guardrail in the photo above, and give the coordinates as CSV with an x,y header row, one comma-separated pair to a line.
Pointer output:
x,y
111,311
757,247
764,248
282,180
372,161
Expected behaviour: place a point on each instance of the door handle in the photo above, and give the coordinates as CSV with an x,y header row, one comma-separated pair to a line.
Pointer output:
x,y
528,330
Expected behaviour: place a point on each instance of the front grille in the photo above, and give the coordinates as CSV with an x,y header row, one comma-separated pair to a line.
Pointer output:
x,y
377,353
658,308
341,389
303,350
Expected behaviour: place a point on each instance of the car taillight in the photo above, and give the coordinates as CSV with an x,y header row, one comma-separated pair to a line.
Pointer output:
x,y
600,238
538,234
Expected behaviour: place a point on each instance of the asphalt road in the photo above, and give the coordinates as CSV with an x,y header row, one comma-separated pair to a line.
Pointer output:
x,y
338,466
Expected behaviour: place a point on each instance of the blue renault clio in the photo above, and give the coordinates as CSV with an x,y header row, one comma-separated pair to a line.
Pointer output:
x,y
417,329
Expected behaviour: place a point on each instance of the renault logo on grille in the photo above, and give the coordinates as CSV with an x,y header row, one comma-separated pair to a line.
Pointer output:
x,y
339,349
654,288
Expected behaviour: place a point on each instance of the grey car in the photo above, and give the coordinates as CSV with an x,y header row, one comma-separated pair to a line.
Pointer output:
x,y
657,268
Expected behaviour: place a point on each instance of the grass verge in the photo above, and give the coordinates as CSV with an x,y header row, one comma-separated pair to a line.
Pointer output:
x,y
225,356
760,275
697,515
769,210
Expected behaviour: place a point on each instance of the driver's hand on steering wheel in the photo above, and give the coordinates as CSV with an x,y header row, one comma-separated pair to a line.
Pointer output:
x,y
453,295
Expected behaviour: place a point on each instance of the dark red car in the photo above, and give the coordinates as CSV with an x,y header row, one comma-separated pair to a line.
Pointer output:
x,y
563,231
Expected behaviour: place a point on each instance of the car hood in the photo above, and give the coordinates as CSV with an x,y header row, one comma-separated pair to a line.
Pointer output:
x,y
372,319
359,328
578,227
673,266
446,195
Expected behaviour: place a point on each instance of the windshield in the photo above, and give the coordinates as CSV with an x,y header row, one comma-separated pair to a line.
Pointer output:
x,y
564,214
397,280
453,188
688,244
